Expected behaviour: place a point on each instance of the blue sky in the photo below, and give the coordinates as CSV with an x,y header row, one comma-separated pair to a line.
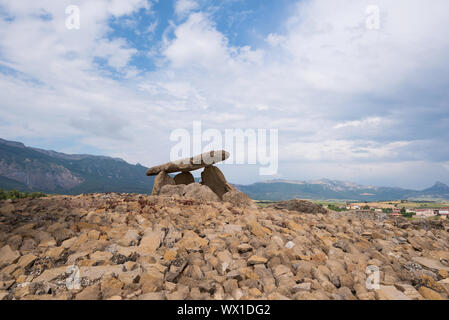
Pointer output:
x,y
350,102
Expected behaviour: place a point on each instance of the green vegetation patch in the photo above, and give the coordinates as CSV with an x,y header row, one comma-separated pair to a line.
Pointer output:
x,y
14,194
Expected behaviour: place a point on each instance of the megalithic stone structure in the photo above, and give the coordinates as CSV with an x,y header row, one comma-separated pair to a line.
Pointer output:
x,y
192,164
212,177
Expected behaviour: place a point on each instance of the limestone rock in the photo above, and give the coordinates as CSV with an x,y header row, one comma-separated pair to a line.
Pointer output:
x,y
193,191
299,206
390,293
184,178
430,294
131,238
431,263
50,274
172,190
130,246
302,287
150,241
244,247
111,288
8,256
256,260
151,281
162,179
215,180
152,296
26,261
198,192
409,291
90,293
238,199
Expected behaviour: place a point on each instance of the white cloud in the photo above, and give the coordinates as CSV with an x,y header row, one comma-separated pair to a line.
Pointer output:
x,y
184,7
197,44
368,122
341,150
334,89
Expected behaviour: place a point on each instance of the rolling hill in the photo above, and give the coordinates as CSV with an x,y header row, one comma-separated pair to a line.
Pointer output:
x,y
31,169
325,189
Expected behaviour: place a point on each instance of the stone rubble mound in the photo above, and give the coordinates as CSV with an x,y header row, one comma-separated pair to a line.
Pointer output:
x,y
299,206
135,247
211,177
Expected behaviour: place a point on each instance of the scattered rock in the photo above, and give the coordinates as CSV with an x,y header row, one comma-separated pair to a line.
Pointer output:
x,y
244,247
195,191
431,263
90,293
8,256
430,294
256,260
238,199
150,242
192,245
390,293
302,287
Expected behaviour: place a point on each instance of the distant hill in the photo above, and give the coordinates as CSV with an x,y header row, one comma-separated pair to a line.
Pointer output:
x,y
276,190
31,169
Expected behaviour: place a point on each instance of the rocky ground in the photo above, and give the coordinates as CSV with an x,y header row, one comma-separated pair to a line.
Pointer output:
x,y
171,247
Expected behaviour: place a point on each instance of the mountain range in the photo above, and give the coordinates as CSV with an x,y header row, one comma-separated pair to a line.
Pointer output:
x,y
32,169
325,189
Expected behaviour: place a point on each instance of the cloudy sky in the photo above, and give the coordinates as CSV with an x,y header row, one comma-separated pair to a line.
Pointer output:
x,y
351,102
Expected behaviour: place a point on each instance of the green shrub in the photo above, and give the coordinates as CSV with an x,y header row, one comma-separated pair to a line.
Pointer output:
x,y
408,214
15,194
336,208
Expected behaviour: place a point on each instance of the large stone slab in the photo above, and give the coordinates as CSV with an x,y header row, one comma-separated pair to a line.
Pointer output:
x,y
184,178
193,191
162,179
215,180
8,256
192,164
430,263
390,293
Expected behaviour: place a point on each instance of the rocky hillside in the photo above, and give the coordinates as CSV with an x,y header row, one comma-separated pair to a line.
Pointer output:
x,y
31,169
124,246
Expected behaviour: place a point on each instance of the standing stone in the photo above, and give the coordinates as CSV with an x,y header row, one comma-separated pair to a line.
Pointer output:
x,y
162,179
215,180
184,178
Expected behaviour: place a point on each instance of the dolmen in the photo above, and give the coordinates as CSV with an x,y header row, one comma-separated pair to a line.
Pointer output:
x,y
211,177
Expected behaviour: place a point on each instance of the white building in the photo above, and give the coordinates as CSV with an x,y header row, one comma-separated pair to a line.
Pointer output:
x,y
444,213
425,213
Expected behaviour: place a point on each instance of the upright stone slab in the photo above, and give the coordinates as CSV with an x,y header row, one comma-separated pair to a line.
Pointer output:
x,y
162,179
184,178
215,180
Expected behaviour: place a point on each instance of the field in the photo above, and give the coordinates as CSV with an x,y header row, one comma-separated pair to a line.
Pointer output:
x,y
374,205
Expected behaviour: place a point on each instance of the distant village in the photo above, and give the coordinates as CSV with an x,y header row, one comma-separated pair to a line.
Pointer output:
x,y
396,208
